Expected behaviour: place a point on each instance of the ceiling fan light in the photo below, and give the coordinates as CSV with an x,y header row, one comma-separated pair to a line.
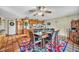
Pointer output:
x,y
34,14
40,13
45,9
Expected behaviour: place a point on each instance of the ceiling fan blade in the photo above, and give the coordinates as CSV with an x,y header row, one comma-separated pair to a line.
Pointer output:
x,y
48,11
38,7
32,10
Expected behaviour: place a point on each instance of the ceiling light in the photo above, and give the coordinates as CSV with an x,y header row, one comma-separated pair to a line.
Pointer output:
x,y
40,13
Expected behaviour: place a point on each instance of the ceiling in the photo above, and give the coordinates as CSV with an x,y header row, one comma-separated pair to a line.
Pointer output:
x,y
13,12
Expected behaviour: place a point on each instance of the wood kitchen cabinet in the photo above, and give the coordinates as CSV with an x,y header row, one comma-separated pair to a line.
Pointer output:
x,y
74,32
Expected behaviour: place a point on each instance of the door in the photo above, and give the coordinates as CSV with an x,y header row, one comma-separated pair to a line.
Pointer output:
x,y
11,27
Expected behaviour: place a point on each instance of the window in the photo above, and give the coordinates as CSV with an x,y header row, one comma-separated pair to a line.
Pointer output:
x,y
0,21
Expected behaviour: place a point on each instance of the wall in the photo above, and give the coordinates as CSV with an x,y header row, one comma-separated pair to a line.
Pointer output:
x,y
4,26
62,24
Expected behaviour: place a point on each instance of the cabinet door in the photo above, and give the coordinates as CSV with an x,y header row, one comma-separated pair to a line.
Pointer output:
x,y
33,21
73,24
19,27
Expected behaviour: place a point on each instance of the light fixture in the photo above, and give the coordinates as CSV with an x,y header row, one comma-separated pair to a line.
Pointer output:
x,y
40,11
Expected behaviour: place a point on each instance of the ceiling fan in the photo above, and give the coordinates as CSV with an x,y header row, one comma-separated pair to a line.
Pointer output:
x,y
40,10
